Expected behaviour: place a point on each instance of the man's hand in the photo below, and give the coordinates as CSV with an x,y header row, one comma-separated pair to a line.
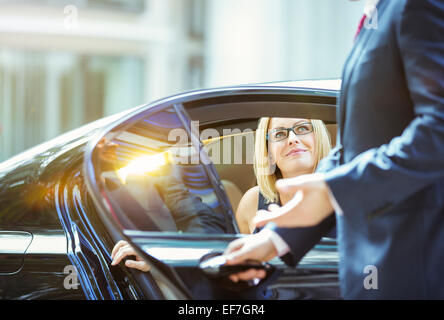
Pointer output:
x,y
258,247
310,205
123,249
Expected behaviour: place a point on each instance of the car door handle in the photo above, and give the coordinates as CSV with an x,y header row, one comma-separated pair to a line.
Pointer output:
x,y
213,265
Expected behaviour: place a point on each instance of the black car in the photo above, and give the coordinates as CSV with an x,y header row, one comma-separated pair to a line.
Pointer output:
x,y
165,177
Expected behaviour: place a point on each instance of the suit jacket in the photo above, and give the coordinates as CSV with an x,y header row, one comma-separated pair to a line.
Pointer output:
x,y
387,169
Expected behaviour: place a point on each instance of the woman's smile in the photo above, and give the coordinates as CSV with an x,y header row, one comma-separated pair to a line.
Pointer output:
x,y
296,152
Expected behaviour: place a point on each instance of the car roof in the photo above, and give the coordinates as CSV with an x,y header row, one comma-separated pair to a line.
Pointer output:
x,y
321,84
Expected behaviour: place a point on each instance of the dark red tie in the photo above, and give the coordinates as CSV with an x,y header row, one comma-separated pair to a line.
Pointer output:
x,y
361,24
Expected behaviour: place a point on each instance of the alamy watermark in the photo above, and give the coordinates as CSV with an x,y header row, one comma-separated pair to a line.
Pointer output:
x,y
71,281
235,146
371,281
71,21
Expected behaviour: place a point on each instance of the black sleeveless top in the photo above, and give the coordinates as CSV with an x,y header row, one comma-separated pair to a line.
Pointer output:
x,y
263,205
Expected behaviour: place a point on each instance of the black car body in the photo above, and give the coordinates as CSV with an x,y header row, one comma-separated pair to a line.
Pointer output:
x,y
63,205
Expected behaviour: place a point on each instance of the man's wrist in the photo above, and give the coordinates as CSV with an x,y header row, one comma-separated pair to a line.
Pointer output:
x,y
280,245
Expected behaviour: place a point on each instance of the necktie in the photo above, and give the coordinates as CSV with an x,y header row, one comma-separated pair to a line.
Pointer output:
x,y
361,24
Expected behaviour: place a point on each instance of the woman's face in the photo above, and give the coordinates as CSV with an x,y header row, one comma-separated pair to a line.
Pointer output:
x,y
294,155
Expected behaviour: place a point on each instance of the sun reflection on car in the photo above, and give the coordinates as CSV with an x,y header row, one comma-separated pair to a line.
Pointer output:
x,y
143,165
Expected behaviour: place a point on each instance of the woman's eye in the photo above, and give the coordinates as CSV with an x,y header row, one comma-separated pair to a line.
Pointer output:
x,y
280,134
302,129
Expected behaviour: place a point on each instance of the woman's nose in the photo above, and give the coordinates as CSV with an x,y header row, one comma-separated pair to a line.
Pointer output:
x,y
293,138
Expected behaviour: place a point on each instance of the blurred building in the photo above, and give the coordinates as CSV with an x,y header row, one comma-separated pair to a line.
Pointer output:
x,y
271,40
64,63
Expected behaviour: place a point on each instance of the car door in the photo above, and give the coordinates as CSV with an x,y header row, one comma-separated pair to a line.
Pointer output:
x,y
155,185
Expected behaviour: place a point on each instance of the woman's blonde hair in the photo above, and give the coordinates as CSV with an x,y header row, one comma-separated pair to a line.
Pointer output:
x,y
266,175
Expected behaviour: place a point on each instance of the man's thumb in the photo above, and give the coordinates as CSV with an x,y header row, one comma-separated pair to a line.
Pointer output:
x,y
290,184
139,265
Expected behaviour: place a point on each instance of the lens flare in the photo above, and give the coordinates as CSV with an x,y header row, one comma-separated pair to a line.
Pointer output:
x,y
143,165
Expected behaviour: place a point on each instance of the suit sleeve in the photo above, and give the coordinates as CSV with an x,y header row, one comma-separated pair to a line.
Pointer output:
x,y
302,240
331,161
415,159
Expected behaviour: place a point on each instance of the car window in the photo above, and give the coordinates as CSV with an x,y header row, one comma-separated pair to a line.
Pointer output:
x,y
231,147
156,176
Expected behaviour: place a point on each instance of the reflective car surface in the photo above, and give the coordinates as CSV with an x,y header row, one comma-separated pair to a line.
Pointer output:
x,y
166,177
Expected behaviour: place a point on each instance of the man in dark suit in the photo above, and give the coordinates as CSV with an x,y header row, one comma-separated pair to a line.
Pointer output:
x,y
385,177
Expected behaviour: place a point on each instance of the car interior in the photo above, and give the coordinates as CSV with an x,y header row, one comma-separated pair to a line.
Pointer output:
x,y
229,145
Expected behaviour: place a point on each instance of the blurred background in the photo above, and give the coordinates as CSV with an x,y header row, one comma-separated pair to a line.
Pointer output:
x,y
64,63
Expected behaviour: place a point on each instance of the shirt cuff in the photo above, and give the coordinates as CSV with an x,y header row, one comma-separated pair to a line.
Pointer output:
x,y
281,246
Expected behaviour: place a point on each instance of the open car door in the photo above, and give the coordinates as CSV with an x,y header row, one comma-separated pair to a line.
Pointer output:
x,y
155,186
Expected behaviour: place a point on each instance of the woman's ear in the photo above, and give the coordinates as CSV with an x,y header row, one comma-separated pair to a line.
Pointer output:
x,y
271,164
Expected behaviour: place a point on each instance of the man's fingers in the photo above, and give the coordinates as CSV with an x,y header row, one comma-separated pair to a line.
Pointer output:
x,y
234,246
299,182
116,248
278,214
241,254
263,219
248,275
273,207
116,254
237,257
290,184
233,278
251,274
121,250
139,265
117,258
122,253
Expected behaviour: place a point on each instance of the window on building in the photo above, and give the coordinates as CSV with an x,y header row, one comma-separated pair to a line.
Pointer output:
x,y
44,94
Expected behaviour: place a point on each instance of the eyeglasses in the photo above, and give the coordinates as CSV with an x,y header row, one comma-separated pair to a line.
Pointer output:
x,y
282,134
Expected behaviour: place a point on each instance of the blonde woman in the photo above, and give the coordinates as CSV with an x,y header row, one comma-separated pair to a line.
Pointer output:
x,y
284,148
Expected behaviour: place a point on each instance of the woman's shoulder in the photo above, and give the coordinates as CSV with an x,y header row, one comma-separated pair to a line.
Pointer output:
x,y
253,191
247,209
255,196
250,199
252,195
